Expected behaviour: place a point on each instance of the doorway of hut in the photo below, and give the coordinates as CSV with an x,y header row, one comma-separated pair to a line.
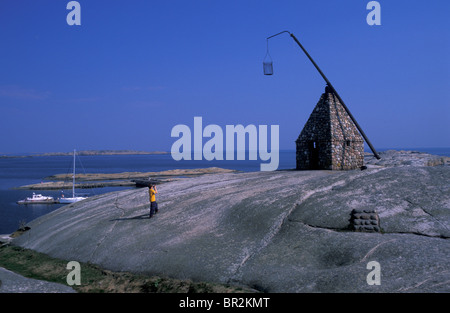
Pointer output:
x,y
314,155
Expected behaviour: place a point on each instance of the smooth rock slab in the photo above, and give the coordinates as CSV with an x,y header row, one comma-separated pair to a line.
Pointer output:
x,y
284,231
13,283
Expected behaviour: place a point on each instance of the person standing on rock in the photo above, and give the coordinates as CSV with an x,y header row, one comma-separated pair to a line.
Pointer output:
x,y
152,191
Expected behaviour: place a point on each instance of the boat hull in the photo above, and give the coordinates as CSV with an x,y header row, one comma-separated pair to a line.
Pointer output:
x,y
37,201
71,200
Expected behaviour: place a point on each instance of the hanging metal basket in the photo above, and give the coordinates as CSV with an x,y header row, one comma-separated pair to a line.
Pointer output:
x,y
268,67
267,63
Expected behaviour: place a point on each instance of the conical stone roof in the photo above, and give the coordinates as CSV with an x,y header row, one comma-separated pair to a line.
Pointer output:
x,y
329,139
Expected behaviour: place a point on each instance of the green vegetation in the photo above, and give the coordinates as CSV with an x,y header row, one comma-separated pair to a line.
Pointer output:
x,y
40,266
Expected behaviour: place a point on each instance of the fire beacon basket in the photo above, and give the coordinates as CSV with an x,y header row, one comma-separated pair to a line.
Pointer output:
x,y
267,63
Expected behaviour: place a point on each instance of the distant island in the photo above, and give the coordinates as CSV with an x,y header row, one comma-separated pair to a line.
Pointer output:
x,y
102,152
124,179
87,153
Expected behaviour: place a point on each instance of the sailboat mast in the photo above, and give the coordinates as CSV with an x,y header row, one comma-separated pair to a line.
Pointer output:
x,y
73,177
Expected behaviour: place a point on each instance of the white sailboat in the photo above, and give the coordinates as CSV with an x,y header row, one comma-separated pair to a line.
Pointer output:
x,y
72,199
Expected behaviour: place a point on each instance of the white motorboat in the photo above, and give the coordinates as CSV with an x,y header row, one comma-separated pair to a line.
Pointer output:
x,y
38,199
72,199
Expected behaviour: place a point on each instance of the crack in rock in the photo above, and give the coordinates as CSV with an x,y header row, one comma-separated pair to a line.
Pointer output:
x,y
107,234
278,224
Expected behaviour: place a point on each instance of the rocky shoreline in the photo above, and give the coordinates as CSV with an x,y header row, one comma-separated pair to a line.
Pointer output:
x,y
283,231
391,158
127,179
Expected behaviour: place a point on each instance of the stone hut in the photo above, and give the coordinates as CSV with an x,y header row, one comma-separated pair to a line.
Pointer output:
x,y
330,139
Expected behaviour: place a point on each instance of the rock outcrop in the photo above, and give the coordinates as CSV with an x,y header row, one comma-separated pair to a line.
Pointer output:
x,y
392,158
11,282
284,231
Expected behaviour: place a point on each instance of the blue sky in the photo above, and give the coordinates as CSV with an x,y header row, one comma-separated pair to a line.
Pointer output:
x,y
135,69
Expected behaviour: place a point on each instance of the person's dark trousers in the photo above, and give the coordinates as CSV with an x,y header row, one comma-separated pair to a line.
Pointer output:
x,y
153,208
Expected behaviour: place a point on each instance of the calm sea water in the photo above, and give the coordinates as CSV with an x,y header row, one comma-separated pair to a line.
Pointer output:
x,y
16,172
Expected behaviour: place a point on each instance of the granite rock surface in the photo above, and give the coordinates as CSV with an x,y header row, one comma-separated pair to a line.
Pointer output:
x,y
11,282
283,231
